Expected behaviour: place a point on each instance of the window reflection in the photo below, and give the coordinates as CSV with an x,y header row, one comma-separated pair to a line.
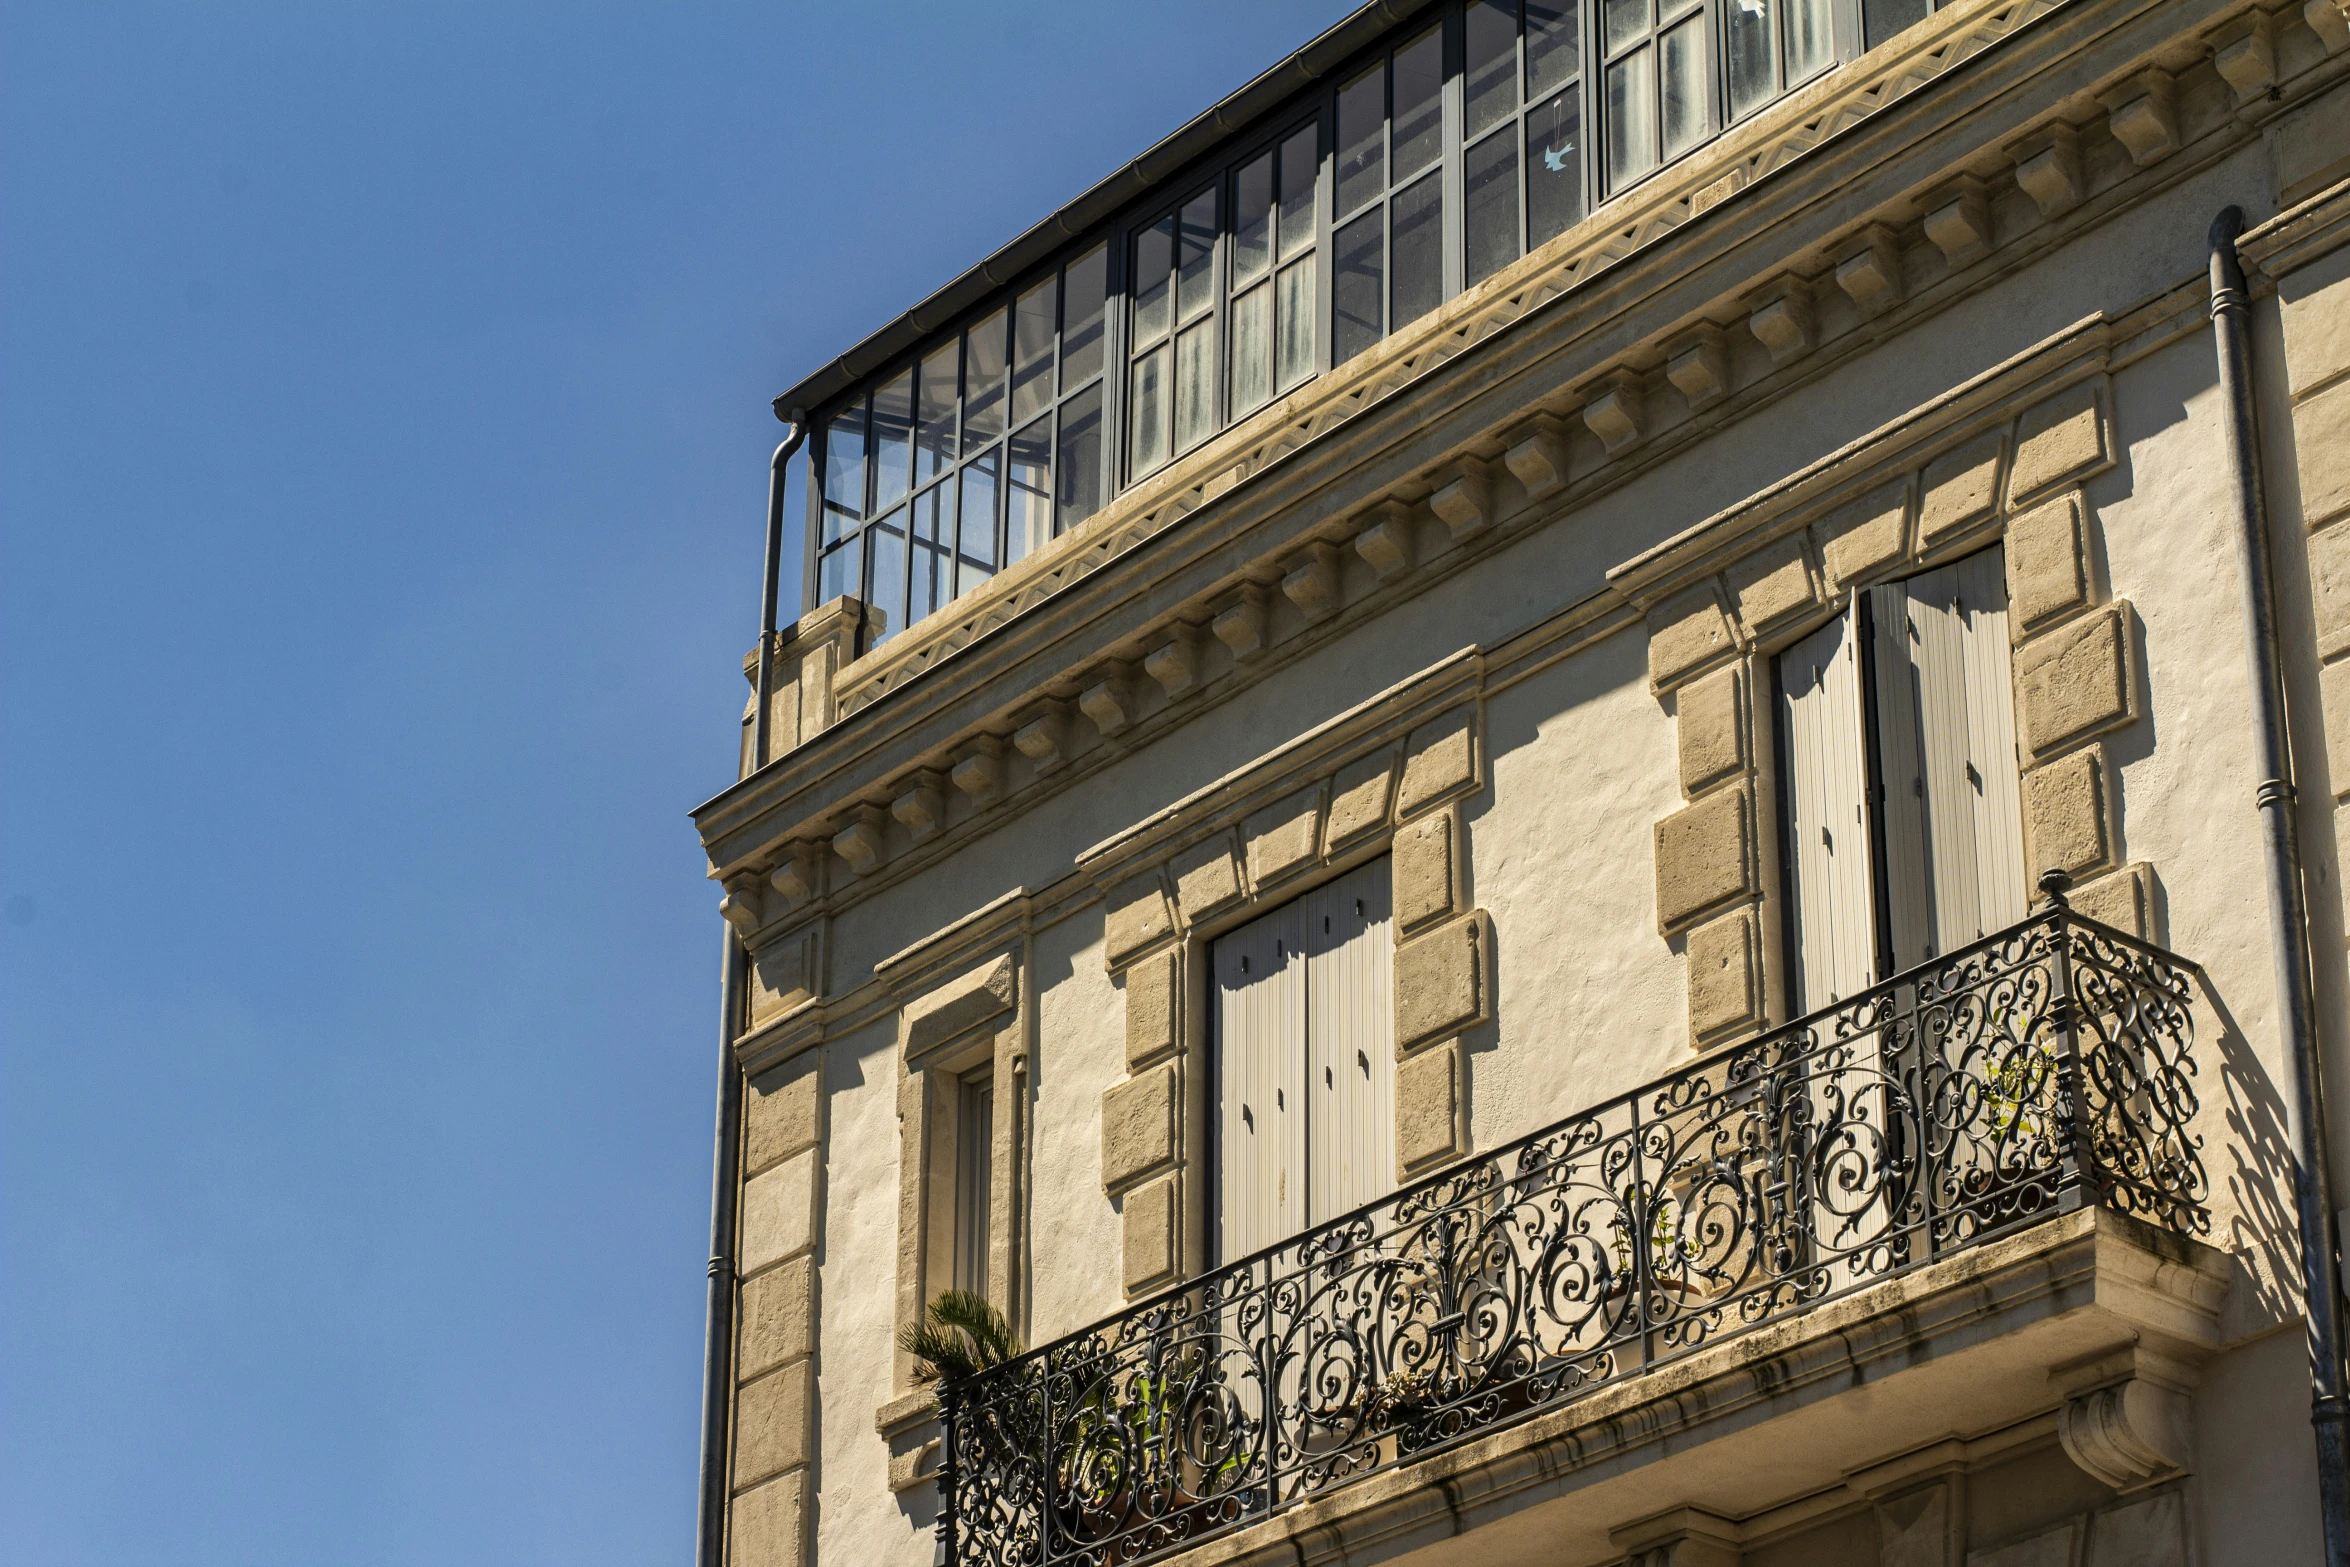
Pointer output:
x,y
1079,460
934,417
893,439
1419,103
1032,350
1362,139
1419,251
1490,83
1490,188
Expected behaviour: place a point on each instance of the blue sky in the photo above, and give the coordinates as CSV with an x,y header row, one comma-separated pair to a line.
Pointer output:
x,y
383,435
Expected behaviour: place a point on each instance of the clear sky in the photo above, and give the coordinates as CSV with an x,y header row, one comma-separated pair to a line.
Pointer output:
x,y
383,441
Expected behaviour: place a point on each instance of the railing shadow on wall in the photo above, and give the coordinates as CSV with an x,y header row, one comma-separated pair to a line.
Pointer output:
x,y
2040,1069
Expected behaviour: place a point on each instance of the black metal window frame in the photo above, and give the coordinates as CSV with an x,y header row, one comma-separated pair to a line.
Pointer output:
x,y
1492,211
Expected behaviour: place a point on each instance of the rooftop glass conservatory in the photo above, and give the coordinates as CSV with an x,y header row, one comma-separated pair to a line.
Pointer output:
x,y
1445,146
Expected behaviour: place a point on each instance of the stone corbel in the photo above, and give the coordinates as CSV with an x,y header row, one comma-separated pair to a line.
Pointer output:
x,y
1611,410
2330,20
1538,455
2048,168
1780,318
1698,365
1043,737
2142,118
920,806
1684,1537
1464,503
798,875
2244,54
1174,663
1241,625
2127,1417
1386,543
863,840
1958,221
1311,581
1108,699
1870,273
740,906
980,772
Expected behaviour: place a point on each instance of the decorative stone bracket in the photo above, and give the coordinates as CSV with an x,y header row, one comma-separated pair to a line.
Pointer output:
x,y
2127,1417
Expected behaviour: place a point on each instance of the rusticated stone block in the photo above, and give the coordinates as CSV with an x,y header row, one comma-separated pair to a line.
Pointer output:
x,y
1138,1127
2321,430
1427,1109
1712,731
1137,916
2047,564
1154,1232
771,1423
1960,487
1285,837
1704,857
1153,1012
779,1213
768,1525
2075,680
779,1316
1687,633
1423,871
1358,799
2123,900
1206,877
2062,438
2333,694
2329,589
783,1112
1866,535
1725,990
1443,980
2065,815
1773,584
1439,760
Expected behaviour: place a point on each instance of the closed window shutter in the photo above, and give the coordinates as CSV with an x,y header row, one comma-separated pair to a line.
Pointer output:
x,y
1260,1080
1828,830
1350,1043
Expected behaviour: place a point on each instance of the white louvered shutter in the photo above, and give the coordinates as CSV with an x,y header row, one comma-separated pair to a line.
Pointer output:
x,y
1828,829
1350,1043
1260,1082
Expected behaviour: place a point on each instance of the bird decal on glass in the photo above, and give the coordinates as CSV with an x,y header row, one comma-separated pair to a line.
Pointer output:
x,y
1556,160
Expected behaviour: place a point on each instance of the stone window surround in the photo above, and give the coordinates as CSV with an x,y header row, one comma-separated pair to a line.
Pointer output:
x,y
2001,460
2085,192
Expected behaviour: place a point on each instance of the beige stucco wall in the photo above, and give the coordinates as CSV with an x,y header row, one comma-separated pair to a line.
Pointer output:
x,y
1580,758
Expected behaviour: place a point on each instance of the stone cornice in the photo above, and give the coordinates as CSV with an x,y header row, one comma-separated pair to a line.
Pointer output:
x,y
1469,409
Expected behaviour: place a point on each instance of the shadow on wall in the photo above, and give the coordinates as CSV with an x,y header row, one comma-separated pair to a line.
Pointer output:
x,y
2263,1231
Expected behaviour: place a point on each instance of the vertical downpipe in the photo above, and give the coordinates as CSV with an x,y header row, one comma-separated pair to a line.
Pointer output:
x,y
726,1156
2288,918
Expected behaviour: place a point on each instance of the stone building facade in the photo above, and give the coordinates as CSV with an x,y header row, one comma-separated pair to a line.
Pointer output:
x,y
1665,632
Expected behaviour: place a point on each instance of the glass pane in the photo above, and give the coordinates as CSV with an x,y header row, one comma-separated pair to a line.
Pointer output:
x,y
1358,286
1295,337
1300,157
1252,221
1028,519
1554,167
1625,21
1079,464
1631,120
1146,414
1881,19
1419,251
1195,385
836,573
1752,81
1684,87
934,415
1032,350
1087,280
1492,81
983,382
1554,50
1809,48
844,473
1419,103
1154,255
1362,139
1492,197
893,439
1195,256
932,552
885,574
975,551
1252,349
1673,10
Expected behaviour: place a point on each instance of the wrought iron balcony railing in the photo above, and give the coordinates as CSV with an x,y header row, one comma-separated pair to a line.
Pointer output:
x,y
2045,1067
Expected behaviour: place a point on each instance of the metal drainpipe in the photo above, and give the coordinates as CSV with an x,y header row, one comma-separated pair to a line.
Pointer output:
x,y
726,1159
2288,922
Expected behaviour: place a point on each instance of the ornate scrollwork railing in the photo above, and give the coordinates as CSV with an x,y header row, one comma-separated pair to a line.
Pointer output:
x,y
2042,1068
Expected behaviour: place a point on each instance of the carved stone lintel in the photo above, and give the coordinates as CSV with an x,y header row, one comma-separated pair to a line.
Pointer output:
x,y
2048,168
1108,699
2126,1417
2141,117
1698,364
1611,408
863,840
1174,663
980,774
1465,502
740,906
1958,221
1780,318
796,874
1538,455
2244,55
1870,272
1043,737
920,806
1241,627
1311,582
1387,542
